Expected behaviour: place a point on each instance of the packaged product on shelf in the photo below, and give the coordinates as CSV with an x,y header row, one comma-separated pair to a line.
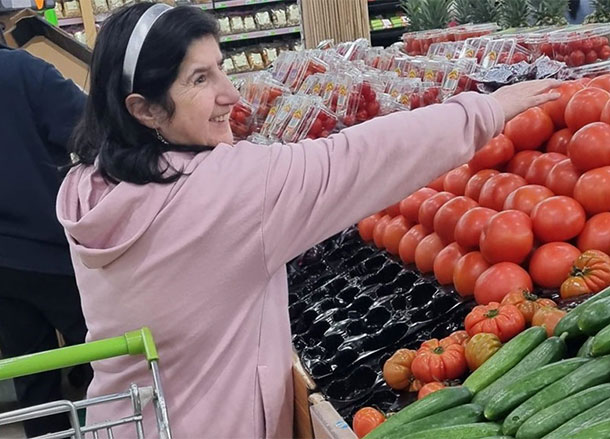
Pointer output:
x,y
282,65
224,24
263,20
240,61
249,23
278,17
241,119
505,51
388,105
416,68
406,92
585,45
434,71
100,6
237,24
310,119
326,44
303,66
72,9
281,114
297,46
59,10
115,4
255,59
457,78
81,37
586,71
262,91
430,93
353,50
293,15
270,54
228,66
474,48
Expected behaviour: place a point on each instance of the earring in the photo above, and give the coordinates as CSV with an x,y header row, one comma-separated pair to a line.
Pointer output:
x,y
160,137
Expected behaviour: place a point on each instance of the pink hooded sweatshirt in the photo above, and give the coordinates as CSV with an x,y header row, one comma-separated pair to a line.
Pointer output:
x,y
202,261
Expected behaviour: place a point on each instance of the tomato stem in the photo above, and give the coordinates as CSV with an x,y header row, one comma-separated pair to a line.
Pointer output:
x,y
529,296
492,313
439,350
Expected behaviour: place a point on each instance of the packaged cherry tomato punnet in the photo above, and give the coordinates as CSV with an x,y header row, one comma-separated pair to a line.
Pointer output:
x,y
583,45
242,119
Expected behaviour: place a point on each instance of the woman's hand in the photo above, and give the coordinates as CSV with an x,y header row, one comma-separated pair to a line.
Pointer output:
x,y
515,99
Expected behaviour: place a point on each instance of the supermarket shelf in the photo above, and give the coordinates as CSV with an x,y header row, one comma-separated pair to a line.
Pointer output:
x,y
378,6
235,3
392,30
261,34
79,20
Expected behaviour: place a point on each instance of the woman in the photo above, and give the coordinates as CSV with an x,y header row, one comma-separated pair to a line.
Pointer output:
x,y
172,227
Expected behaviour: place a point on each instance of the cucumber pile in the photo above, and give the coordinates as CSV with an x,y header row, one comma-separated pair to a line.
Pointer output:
x,y
527,390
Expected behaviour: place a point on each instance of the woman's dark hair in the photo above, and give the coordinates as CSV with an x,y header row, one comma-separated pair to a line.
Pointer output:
x,y
125,149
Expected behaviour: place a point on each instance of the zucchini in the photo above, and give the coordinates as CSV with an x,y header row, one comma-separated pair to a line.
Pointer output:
x,y
585,349
463,414
506,357
601,342
549,351
467,431
569,323
550,418
594,372
591,416
600,430
526,386
595,317
433,403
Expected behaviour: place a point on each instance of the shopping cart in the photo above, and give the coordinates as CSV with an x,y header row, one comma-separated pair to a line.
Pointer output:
x,y
138,342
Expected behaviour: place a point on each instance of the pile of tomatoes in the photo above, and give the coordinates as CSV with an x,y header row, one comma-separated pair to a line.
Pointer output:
x,y
522,211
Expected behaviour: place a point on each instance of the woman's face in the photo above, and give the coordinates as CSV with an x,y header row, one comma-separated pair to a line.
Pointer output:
x,y
203,97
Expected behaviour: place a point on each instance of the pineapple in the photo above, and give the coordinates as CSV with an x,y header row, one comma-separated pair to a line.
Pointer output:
x,y
413,10
549,12
514,13
601,14
427,14
484,11
462,11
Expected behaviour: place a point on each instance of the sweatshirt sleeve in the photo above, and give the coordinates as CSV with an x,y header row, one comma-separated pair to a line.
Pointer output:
x,y
317,188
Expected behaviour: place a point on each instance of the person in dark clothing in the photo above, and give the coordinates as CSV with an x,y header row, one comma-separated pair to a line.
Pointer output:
x,y
38,292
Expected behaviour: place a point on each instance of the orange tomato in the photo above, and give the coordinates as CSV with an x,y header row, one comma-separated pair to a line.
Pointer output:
x,y
558,218
459,337
541,166
548,317
397,369
507,237
429,388
366,420
526,302
592,190
495,190
439,360
469,227
428,208
505,321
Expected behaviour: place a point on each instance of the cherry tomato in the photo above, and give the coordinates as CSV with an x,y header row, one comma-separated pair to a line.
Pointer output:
x,y
559,141
498,280
409,207
466,272
495,190
366,420
493,155
366,226
455,180
507,237
592,190
590,146
557,108
530,129
394,232
449,214
562,178
476,182
551,263
596,234
590,57
526,197
428,208
558,218
602,82
438,183
469,227
541,166
426,251
577,58
604,52
585,107
408,243
445,261
521,162
379,230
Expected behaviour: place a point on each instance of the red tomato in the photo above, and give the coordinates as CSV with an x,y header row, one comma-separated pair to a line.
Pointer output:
x,y
408,243
445,261
409,207
449,214
602,82
557,108
495,190
521,162
498,280
596,234
559,141
466,272
590,57
604,52
562,178
469,227
530,129
504,321
393,210
394,232
551,264
455,180
429,388
526,197
426,251
541,166
366,226
592,190
493,155
366,420
379,230
585,107
558,218
590,146
476,182
428,208
507,237
438,183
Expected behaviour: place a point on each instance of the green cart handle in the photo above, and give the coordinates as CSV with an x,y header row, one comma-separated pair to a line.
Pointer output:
x,y
139,342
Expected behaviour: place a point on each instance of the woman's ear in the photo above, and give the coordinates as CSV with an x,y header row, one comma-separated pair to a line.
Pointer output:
x,y
144,112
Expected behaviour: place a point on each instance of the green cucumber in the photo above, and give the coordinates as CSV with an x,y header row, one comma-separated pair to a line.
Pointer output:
x,y
467,431
595,317
549,351
585,349
433,403
498,437
569,323
601,343
600,430
589,417
594,372
526,386
462,414
553,416
506,357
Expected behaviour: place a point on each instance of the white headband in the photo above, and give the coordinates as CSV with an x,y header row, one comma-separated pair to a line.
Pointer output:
x,y
136,41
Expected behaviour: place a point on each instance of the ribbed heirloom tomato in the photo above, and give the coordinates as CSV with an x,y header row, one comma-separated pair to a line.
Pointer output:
x,y
505,321
550,264
495,190
558,218
507,237
480,348
596,234
548,317
455,180
556,109
445,261
408,243
562,178
530,129
428,208
585,107
495,154
397,369
590,274
409,207
499,280
521,162
476,182
366,420
559,141
469,227
526,302
526,197
439,360
466,272
592,190
541,166
449,214
590,146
